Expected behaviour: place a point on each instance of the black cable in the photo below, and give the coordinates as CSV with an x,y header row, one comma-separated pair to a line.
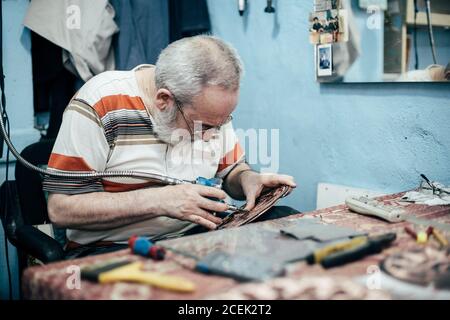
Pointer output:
x,y
416,54
8,268
2,76
7,148
5,117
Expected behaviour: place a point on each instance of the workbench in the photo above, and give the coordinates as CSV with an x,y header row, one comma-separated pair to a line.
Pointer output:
x,y
57,280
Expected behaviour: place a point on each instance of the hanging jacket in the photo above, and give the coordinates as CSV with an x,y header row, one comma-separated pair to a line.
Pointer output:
x,y
83,28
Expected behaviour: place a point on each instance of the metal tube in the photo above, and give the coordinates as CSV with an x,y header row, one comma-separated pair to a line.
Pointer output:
x,y
430,31
157,178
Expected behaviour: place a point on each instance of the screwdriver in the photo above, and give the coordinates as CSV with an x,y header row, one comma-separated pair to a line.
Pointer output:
x,y
352,250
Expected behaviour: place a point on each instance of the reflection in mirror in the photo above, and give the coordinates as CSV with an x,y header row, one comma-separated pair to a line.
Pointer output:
x,y
383,40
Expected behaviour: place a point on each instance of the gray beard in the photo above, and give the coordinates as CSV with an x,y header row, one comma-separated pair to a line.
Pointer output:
x,y
164,126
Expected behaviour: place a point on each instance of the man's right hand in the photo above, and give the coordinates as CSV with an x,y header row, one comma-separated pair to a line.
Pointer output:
x,y
190,203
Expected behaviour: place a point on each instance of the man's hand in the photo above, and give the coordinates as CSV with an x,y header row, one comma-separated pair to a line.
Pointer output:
x,y
190,203
253,184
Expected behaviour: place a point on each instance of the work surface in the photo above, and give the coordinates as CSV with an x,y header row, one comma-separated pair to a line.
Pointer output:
x,y
59,280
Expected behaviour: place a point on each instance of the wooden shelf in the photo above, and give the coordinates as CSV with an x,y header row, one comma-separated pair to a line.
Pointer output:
x,y
437,19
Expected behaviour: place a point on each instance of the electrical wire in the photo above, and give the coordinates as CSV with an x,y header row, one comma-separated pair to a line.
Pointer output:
x,y
416,54
7,161
8,268
4,117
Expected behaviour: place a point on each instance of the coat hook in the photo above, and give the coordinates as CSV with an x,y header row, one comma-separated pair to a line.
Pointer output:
x,y
269,8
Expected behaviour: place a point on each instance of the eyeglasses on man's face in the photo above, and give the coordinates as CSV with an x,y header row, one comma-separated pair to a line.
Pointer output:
x,y
203,128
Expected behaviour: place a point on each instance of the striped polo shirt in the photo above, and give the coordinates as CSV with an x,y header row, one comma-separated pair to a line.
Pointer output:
x,y
106,127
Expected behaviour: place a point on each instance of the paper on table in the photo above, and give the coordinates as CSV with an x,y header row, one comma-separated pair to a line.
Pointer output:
x,y
426,198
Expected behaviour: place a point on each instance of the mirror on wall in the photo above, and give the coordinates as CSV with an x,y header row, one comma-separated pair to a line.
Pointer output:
x,y
381,40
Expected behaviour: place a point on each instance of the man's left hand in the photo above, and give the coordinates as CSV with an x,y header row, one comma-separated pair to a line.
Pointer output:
x,y
254,183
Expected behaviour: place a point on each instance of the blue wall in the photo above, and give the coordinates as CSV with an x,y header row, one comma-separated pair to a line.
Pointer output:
x,y
376,136
19,101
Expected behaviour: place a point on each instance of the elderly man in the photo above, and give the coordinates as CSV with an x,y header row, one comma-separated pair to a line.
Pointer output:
x,y
139,120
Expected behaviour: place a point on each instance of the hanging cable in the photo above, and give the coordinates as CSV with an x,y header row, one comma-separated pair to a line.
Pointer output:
x,y
4,119
8,267
416,54
430,30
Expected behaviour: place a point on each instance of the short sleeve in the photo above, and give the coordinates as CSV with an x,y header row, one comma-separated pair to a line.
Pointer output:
x,y
232,151
81,145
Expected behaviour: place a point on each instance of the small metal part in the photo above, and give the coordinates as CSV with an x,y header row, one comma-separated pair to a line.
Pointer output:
x,y
212,182
242,4
236,209
269,8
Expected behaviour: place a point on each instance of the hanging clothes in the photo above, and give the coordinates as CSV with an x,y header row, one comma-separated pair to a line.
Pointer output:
x,y
83,28
188,18
53,85
147,27
144,31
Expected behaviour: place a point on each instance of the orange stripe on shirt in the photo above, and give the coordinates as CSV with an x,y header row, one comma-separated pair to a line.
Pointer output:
x,y
231,157
62,162
117,102
110,186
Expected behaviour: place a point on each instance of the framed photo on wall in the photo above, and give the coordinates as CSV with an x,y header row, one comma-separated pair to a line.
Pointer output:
x,y
324,60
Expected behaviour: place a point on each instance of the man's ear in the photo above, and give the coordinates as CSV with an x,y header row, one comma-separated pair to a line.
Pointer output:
x,y
164,99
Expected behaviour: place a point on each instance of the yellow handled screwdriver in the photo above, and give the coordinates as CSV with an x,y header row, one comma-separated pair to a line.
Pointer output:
x,y
132,272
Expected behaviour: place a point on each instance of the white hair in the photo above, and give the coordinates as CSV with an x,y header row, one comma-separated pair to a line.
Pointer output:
x,y
188,65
